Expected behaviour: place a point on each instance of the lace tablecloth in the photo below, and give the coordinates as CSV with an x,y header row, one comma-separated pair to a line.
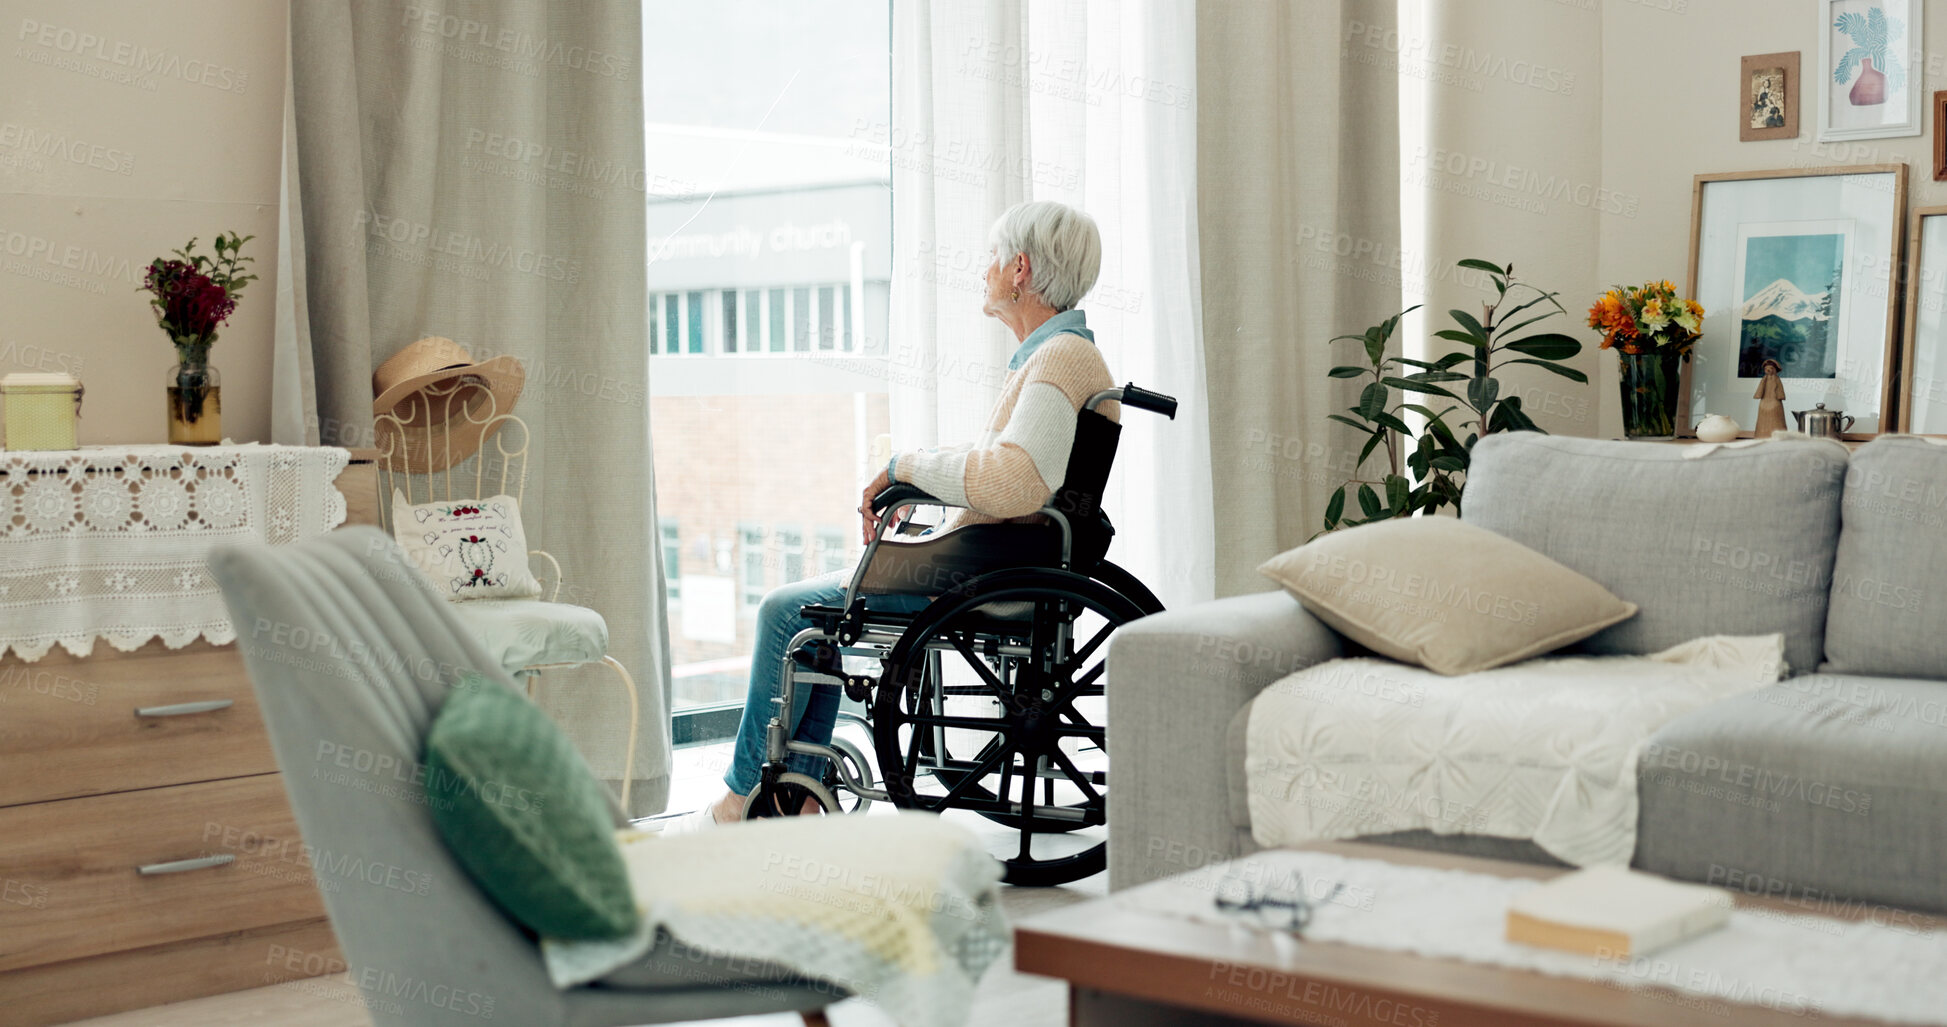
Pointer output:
x,y
109,542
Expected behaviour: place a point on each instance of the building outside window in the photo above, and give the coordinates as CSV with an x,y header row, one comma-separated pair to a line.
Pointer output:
x,y
770,236
672,542
750,551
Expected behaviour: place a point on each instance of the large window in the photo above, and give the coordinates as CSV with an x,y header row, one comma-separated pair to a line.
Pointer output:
x,y
770,232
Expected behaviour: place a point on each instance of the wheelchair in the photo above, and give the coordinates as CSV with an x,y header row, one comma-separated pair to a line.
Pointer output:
x,y
990,698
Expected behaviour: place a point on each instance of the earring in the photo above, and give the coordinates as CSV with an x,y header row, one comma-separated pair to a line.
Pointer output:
x,y
1016,296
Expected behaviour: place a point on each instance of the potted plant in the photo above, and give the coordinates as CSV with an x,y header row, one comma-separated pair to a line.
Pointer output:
x,y
193,295
1653,330
1437,455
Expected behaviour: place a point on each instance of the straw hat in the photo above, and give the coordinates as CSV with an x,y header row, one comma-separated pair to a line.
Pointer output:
x,y
445,400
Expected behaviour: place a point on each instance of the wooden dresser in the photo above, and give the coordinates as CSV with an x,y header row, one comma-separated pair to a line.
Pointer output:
x,y
147,854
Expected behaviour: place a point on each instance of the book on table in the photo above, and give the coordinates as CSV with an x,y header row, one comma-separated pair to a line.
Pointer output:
x,y
1614,912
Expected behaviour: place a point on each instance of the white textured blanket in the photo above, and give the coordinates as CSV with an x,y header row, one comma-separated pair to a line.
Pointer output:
x,y
901,910
1544,750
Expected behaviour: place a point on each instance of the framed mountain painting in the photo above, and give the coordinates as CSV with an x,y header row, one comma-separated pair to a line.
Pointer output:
x,y
1866,85
1797,271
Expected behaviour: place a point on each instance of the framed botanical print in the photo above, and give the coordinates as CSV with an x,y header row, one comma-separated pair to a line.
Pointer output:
x,y
1768,87
1923,353
1797,271
1865,84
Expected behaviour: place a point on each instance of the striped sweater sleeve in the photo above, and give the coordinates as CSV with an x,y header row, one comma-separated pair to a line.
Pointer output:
x,y
1017,469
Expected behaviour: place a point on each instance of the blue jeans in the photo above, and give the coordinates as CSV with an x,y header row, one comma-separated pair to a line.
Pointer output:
x,y
814,708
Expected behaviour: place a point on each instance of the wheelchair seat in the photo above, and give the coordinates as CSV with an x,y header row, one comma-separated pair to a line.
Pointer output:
x,y
936,564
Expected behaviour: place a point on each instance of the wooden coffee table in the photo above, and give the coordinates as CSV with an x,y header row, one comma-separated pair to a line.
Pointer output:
x,y
1129,968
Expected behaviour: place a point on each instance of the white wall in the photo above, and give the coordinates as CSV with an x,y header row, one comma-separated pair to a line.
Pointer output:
x,y
1671,68
1512,170
127,127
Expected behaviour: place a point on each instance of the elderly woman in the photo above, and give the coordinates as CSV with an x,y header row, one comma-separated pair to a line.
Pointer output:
x,y
1045,259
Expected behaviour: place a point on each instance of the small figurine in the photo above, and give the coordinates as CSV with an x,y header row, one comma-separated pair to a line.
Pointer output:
x,y
1771,402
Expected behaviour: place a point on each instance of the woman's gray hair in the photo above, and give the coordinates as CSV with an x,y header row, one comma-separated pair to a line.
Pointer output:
x,y
1063,247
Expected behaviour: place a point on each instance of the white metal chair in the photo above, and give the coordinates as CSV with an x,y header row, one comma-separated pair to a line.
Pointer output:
x,y
528,636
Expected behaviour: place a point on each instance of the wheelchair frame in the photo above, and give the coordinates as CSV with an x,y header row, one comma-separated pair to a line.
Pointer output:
x,y
854,631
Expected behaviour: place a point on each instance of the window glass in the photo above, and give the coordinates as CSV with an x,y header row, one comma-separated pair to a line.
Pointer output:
x,y
769,212
672,558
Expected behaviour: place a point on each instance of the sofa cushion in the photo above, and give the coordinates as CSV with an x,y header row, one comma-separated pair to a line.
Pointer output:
x,y
1734,542
523,814
1443,595
1889,582
1823,786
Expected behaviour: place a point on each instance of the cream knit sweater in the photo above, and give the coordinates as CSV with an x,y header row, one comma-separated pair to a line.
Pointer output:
x,y
1021,458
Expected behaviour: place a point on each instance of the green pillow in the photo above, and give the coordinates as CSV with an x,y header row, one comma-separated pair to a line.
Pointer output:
x,y
520,809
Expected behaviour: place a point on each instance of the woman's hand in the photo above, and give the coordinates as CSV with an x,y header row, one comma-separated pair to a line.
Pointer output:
x,y
869,521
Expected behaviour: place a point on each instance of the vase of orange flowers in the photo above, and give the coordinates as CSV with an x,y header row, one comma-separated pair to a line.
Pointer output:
x,y
1652,330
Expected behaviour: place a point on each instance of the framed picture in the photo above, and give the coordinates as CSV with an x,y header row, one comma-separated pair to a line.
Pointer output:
x,y
1768,85
1866,86
1940,136
1796,267
1923,353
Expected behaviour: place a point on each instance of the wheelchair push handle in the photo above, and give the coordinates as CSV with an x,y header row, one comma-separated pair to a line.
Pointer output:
x,y
1140,398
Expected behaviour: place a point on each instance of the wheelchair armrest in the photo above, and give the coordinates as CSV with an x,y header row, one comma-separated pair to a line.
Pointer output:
x,y
900,493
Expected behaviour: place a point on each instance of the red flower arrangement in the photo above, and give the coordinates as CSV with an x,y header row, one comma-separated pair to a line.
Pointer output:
x,y
194,294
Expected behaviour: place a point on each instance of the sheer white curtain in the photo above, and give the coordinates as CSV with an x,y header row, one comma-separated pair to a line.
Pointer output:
x,y
1092,103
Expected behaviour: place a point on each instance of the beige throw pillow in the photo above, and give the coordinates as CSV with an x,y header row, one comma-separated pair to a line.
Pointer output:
x,y
1443,594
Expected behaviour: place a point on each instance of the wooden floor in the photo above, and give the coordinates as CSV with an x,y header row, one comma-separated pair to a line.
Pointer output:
x,y
1004,999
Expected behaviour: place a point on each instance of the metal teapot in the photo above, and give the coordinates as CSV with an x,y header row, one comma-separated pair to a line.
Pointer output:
x,y
1821,423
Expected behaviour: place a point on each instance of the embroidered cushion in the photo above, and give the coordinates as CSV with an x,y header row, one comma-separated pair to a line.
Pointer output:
x,y
471,548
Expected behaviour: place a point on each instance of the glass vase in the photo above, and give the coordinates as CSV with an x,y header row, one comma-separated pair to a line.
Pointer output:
x,y
195,396
1649,393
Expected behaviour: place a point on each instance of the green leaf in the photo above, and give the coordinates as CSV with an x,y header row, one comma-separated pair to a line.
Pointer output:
x,y
1547,347
1428,364
1437,376
1342,419
1481,393
1427,412
1509,417
1373,400
1450,359
1548,297
1397,489
1392,421
1567,372
1349,371
1482,265
1369,501
1444,462
1408,385
1456,335
1371,444
1471,326
1342,338
1335,508
1504,332
1375,345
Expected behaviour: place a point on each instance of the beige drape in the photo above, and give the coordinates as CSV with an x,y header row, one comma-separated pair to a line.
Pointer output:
x,y
1298,205
473,169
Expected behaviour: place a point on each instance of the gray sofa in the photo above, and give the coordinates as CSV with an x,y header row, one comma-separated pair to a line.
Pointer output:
x,y
1830,786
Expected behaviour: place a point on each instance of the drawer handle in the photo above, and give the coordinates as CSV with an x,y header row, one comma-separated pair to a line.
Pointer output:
x,y
183,709
185,865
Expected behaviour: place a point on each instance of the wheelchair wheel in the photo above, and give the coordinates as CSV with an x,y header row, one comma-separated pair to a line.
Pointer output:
x,y
1128,584
786,797
861,769
1009,672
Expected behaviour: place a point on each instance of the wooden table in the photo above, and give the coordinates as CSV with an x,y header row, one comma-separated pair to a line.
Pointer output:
x,y
1129,968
